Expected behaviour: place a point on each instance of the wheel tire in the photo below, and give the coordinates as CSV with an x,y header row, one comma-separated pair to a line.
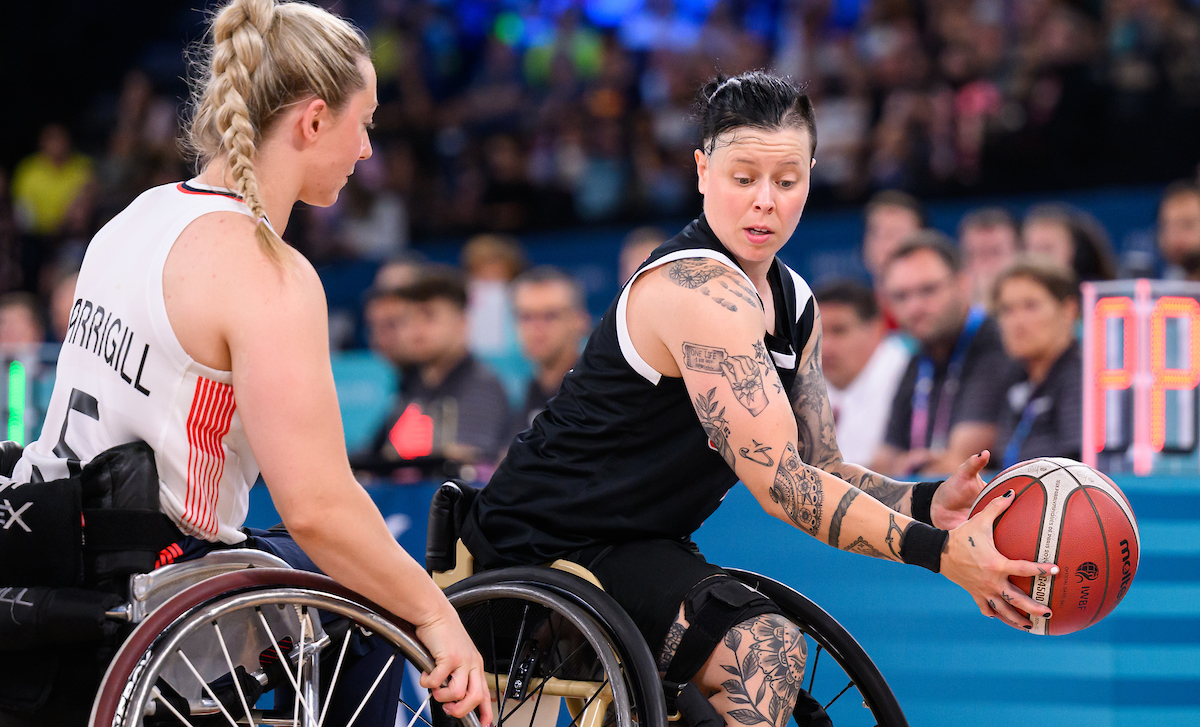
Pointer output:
x,y
834,639
127,684
579,599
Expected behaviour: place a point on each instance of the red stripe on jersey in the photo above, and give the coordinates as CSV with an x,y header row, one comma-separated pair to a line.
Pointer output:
x,y
207,424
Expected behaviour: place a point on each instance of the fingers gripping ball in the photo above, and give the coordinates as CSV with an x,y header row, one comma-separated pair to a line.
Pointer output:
x,y
1068,513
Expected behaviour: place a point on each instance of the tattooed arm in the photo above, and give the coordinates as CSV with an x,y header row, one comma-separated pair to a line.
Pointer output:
x,y
716,347
816,441
738,402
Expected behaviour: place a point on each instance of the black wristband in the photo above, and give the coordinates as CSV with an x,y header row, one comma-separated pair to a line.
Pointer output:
x,y
922,500
922,545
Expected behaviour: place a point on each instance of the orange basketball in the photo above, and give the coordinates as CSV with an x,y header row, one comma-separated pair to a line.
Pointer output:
x,y
1067,513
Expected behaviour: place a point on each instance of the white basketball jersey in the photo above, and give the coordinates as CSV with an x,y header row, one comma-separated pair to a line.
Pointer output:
x,y
123,376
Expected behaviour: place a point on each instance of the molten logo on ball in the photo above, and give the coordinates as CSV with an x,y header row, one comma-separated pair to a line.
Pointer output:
x,y
1086,571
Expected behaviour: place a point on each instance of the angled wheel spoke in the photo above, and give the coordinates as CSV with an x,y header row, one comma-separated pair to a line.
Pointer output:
x,y
554,634
371,691
812,676
283,661
512,664
237,683
839,694
160,699
588,703
417,712
336,671
204,685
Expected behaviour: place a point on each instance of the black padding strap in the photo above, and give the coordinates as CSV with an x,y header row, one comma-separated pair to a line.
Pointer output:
x,y
40,534
922,545
922,501
809,712
39,616
692,706
712,608
128,530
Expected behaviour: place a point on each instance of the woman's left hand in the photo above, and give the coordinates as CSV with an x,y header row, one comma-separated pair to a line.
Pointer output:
x,y
952,502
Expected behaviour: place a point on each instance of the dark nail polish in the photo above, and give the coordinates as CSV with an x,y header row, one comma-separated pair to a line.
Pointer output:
x,y
1046,615
1009,493
1027,627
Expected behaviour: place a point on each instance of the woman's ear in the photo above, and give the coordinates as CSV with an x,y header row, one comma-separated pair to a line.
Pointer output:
x,y
701,171
313,115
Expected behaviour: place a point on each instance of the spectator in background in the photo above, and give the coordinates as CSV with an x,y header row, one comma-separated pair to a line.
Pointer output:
x,y
1179,229
491,262
989,240
51,195
48,183
385,314
891,217
1036,305
636,247
450,405
862,364
21,321
552,321
946,406
1072,238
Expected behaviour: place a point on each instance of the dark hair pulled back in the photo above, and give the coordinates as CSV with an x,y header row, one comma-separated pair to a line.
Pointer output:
x,y
755,99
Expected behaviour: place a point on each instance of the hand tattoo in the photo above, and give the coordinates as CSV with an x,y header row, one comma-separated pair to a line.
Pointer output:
x,y
691,273
741,372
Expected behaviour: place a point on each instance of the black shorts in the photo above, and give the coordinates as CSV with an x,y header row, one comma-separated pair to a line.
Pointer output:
x,y
651,578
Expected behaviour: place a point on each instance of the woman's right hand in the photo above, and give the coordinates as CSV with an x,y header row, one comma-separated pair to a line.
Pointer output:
x,y
457,680
972,561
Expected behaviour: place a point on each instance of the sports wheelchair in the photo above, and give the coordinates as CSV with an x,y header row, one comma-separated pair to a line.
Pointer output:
x,y
216,634
552,638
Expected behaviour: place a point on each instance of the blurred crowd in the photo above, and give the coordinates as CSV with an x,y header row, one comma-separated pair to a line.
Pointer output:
x,y
498,118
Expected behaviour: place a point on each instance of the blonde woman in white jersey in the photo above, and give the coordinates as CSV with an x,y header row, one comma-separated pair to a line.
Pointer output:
x,y
199,331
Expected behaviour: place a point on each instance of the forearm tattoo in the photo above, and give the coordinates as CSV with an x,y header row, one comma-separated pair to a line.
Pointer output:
x,y
814,416
835,522
772,649
818,442
715,425
797,490
742,372
862,547
895,536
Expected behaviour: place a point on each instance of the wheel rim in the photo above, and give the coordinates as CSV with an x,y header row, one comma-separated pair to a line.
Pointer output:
x,y
143,684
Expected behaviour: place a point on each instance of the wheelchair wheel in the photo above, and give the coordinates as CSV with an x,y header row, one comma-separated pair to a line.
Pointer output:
x,y
217,651
850,690
551,640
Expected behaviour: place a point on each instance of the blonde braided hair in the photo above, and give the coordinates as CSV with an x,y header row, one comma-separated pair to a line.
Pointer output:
x,y
263,56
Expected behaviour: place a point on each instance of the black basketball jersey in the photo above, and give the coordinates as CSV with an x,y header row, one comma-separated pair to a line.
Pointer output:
x,y
619,454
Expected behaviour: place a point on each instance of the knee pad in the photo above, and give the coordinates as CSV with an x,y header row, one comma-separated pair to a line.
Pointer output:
x,y
713,607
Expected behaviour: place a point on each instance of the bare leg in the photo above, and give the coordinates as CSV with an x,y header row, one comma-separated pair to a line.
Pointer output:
x,y
754,674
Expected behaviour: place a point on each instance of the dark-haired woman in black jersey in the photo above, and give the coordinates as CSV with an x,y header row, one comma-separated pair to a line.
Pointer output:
x,y
706,370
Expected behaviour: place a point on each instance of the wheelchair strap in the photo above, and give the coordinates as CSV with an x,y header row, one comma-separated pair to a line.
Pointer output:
x,y
128,530
713,607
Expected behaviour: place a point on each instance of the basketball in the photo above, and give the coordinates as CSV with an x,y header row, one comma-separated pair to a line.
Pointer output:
x,y
1067,513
